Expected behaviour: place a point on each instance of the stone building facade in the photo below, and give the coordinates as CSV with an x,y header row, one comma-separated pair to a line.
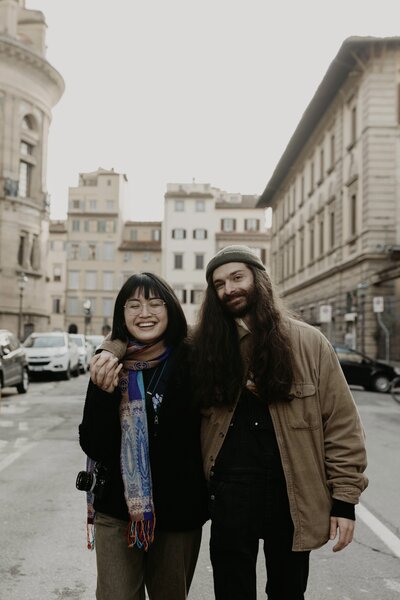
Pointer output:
x,y
29,89
335,195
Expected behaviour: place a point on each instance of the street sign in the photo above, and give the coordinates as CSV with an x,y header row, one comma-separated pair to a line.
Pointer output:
x,y
325,313
377,303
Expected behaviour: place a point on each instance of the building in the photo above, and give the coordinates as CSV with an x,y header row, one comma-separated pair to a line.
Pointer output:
x,y
96,210
335,195
199,220
56,274
29,89
141,247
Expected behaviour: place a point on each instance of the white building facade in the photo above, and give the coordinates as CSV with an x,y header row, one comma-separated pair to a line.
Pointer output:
x,y
199,220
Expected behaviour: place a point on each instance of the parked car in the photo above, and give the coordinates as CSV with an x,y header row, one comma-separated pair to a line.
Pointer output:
x,y
95,340
362,370
85,352
13,362
52,353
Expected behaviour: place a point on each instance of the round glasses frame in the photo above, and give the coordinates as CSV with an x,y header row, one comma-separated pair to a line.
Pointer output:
x,y
155,306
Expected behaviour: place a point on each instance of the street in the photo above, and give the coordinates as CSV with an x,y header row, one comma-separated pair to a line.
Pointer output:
x,y
42,515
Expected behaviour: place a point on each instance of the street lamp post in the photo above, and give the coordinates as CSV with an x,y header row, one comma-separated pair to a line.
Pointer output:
x,y
87,311
22,280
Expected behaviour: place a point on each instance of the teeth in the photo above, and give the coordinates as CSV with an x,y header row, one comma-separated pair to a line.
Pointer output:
x,y
145,324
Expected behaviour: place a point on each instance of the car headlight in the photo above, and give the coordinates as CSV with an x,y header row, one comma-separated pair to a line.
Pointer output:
x,y
397,370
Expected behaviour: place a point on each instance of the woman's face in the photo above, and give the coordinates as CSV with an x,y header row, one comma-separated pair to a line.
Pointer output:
x,y
145,323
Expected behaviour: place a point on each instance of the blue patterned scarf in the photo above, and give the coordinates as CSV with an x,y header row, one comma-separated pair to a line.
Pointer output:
x,y
135,459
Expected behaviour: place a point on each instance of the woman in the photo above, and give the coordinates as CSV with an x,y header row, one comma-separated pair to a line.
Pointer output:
x,y
145,437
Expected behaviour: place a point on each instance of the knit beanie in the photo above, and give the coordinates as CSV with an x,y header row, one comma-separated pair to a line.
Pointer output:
x,y
236,253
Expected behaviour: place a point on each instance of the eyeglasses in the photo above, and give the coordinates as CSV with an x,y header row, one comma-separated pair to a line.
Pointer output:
x,y
154,305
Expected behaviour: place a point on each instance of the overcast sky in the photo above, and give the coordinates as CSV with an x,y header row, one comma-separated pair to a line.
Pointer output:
x,y
176,90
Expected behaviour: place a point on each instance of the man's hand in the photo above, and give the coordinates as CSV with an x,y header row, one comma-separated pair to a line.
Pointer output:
x,y
104,369
346,530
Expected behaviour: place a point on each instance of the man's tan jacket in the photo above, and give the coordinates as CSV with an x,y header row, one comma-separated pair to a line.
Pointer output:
x,y
319,434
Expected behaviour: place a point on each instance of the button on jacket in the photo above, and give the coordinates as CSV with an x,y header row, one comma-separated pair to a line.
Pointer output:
x,y
319,434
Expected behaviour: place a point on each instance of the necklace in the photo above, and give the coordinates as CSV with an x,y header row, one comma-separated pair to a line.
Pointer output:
x,y
150,391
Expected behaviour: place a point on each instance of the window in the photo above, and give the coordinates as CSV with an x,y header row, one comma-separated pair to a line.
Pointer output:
x,y
108,280
76,204
321,237
52,245
302,189
228,225
179,206
110,205
332,151
312,178
73,307
25,148
353,214
110,226
56,306
24,179
311,231
181,295
331,228
108,306
196,296
92,251
74,252
146,256
353,125
101,226
76,225
133,234
178,261
200,234
200,206
108,251
179,234
252,224
199,261
127,256
57,272
86,226
22,247
35,253
321,165
92,204
73,280
156,235
90,280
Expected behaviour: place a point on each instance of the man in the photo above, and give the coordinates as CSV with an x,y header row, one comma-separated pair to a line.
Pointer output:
x,y
282,441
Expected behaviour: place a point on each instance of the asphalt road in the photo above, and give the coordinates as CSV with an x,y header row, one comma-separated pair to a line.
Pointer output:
x,y
43,555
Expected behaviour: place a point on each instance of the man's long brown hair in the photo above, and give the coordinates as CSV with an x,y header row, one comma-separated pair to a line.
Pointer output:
x,y
218,366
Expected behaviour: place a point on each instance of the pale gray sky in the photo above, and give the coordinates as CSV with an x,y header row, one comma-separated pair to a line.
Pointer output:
x,y
171,90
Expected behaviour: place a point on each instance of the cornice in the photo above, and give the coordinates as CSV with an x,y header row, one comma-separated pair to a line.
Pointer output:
x,y
17,51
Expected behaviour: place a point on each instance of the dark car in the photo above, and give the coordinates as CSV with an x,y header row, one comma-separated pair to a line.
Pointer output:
x,y
364,371
13,363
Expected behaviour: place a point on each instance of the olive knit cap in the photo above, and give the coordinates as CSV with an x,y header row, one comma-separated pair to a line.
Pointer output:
x,y
236,253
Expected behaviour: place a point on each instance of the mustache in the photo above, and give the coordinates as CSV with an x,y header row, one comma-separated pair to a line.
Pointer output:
x,y
226,298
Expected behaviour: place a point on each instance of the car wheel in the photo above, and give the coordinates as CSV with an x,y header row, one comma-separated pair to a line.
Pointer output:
x,y
76,371
22,387
381,383
67,374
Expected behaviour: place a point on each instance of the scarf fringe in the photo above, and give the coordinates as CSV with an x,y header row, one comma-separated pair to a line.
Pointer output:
x,y
141,534
90,536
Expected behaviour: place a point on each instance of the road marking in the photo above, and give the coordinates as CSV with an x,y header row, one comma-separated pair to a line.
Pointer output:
x,y
379,529
8,460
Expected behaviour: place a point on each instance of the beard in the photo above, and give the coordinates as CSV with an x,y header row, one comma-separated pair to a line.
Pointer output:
x,y
239,309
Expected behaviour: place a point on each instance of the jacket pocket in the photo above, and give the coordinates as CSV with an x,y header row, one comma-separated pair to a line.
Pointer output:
x,y
303,411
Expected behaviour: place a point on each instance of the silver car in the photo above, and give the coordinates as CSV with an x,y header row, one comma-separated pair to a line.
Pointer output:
x,y
52,352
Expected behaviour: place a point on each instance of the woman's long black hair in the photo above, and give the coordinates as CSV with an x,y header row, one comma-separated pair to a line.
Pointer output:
x,y
217,359
150,284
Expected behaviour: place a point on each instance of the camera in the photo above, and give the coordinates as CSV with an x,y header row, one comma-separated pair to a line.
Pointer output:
x,y
93,482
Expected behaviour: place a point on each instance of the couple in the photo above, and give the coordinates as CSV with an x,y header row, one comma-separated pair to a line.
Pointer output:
x,y
254,395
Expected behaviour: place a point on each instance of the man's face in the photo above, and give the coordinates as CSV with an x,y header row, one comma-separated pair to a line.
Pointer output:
x,y
234,284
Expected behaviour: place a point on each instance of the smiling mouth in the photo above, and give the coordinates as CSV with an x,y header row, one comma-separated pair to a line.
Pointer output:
x,y
145,325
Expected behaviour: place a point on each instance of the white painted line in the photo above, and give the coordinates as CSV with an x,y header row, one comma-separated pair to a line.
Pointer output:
x,y
380,530
8,460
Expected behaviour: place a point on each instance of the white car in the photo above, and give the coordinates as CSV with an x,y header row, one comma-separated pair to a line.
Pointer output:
x,y
85,352
52,353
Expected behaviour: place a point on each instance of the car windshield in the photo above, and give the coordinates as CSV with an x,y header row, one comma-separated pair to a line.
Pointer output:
x,y
45,341
77,341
